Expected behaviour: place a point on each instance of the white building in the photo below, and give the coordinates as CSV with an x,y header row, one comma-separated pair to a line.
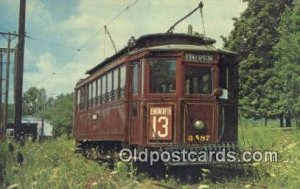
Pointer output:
x,y
48,128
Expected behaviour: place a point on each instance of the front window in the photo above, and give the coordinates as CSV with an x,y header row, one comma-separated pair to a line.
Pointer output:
x,y
198,80
162,75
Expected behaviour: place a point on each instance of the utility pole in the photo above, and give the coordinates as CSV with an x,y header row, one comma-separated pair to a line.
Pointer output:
x,y
1,116
19,68
10,37
4,114
7,82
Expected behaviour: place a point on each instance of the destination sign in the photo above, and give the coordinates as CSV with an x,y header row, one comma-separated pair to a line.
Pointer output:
x,y
204,58
160,125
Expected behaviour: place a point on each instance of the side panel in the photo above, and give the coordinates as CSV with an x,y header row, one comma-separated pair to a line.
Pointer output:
x,y
107,123
228,123
135,127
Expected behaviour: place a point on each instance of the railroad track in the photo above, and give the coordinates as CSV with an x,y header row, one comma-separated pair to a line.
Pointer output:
x,y
215,173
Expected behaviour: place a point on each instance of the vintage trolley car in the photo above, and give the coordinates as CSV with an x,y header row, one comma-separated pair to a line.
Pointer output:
x,y
162,91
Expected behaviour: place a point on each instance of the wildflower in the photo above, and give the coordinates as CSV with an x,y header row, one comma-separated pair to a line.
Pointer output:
x,y
203,186
290,146
207,171
13,186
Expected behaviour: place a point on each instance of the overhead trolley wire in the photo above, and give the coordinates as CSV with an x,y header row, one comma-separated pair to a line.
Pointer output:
x,y
32,13
98,32
88,41
51,42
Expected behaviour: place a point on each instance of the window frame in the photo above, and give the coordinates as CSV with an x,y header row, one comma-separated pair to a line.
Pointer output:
x,y
116,81
99,89
229,65
137,62
202,65
147,84
122,89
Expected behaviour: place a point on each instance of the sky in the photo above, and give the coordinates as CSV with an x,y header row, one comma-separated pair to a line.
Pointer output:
x,y
66,37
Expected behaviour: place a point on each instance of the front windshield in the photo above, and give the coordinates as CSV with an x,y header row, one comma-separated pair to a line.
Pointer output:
x,y
198,80
162,75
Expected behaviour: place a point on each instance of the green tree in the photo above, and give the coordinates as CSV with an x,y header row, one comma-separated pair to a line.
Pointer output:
x,y
34,101
254,36
287,65
62,114
58,110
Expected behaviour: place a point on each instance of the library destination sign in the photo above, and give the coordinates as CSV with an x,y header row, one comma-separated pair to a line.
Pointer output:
x,y
202,58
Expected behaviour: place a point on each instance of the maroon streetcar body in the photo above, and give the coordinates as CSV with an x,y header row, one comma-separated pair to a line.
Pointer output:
x,y
159,91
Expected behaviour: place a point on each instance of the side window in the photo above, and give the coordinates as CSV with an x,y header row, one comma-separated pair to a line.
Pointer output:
x,y
94,91
90,93
109,84
224,76
104,87
78,99
116,82
99,89
135,79
82,98
122,80
228,78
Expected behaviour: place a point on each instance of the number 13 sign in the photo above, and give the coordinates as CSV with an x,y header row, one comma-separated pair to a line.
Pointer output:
x,y
160,127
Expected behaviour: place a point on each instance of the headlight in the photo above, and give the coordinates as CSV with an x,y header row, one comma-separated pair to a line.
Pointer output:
x,y
199,124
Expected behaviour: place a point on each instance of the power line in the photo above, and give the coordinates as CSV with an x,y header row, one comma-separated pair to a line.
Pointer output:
x,y
109,22
86,43
32,13
112,20
128,7
51,42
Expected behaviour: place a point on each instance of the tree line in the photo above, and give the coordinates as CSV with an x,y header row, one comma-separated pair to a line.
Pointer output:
x,y
267,37
58,110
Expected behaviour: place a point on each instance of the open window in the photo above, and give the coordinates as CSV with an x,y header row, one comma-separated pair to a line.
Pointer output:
x,y
228,77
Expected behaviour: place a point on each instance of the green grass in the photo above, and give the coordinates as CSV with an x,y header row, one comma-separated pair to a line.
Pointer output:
x,y
286,172
53,164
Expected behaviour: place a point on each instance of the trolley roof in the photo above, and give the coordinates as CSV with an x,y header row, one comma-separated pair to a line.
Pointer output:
x,y
164,42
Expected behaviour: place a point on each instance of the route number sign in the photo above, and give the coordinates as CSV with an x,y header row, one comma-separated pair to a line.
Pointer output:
x,y
160,123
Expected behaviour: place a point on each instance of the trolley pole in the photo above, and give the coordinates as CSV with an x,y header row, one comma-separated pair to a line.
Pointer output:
x,y
19,69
